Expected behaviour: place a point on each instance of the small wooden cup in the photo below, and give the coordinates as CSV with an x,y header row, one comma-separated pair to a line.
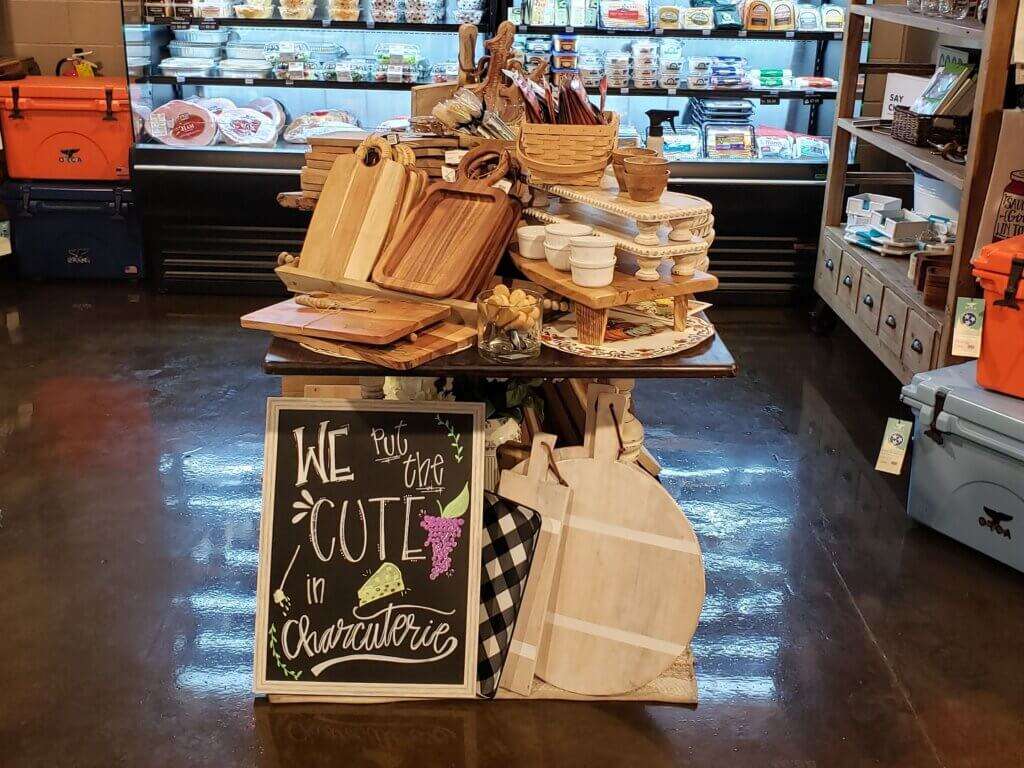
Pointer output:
x,y
647,186
618,156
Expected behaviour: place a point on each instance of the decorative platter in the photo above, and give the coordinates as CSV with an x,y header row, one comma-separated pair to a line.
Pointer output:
x,y
634,336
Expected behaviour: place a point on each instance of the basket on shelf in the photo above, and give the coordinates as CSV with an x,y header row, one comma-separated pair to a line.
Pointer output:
x,y
925,130
576,155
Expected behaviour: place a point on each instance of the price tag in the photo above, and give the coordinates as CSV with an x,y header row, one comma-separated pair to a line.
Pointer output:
x,y
150,19
179,78
394,73
391,138
296,67
706,32
209,24
894,446
326,23
569,30
968,322
659,31
623,91
369,23
770,99
180,25
289,82
790,33
249,81
837,35
741,33
523,29
671,91
812,99
447,173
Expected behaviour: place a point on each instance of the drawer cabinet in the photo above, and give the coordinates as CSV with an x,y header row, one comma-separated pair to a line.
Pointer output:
x,y
826,276
918,342
869,302
849,280
892,321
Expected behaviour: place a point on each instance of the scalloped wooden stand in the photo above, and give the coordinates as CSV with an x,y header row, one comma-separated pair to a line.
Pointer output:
x,y
591,305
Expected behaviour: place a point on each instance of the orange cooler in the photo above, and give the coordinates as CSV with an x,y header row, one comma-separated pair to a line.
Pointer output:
x,y
66,128
999,268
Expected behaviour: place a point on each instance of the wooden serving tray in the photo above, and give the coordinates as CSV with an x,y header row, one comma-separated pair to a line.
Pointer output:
x,y
375,320
673,206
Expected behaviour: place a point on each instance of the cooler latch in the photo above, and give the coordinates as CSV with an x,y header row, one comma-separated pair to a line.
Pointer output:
x,y
109,96
1009,299
15,98
117,204
932,432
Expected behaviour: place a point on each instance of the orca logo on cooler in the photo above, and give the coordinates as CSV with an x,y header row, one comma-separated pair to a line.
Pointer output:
x,y
69,155
995,522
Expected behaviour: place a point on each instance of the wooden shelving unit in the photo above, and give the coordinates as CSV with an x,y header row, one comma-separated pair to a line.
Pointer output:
x,y
869,292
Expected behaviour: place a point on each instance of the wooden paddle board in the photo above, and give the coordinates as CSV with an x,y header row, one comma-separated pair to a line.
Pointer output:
x,y
630,586
373,319
318,249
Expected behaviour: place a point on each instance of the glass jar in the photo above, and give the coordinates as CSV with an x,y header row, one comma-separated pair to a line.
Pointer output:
x,y
914,5
930,7
955,9
509,324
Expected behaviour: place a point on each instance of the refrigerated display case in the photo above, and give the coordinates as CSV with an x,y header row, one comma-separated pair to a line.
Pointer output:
x,y
206,170
767,189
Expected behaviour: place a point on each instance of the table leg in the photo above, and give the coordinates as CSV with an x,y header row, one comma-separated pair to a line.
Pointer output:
x,y
680,232
632,429
648,233
680,307
590,324
372,387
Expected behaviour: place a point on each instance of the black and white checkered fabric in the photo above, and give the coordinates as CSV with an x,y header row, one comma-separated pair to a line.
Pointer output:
x,y
509,540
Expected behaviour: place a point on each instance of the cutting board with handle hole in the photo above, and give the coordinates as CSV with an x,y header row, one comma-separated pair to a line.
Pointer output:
x,y
374,320
435,341
447,238
630,585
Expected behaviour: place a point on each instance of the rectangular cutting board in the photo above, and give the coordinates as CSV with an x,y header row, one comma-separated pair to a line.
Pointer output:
x,y
391,319
437,341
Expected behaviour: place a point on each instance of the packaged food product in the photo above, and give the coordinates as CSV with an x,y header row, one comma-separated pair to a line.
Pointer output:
x,y
181,123
212,9
669,17
398,53
354,70
242,126
187,67
783,15
563,43
188,50
564,60
625,14
833,18
668,80
774,143
684,144
240,50
319,123
215,105
272,109
808,19
445,71
725,142
727,17
300,13
344,10
295,70
197,35
698,18
757,15
253,11
699,81
326,53
469,17
810,147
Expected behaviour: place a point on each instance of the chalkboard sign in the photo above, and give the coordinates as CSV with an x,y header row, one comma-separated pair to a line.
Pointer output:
x,y
369,572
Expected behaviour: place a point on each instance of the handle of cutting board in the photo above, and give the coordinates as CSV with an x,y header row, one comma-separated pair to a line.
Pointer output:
x,y
373,150
467,53
477,157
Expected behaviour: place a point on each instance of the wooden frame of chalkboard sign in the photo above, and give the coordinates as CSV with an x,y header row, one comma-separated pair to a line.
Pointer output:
x,y
369,570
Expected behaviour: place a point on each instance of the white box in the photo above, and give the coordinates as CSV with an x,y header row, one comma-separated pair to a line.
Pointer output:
x,y
901,225
871,202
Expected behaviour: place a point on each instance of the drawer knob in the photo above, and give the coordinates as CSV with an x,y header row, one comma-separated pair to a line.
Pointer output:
x,y
848,281
917,346
829,265
868,301
890,321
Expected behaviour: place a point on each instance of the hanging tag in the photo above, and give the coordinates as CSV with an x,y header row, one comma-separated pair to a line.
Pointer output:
x,y
967,324
447,173
894,446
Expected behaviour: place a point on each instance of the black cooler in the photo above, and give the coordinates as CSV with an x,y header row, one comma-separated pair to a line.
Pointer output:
x,y
63,230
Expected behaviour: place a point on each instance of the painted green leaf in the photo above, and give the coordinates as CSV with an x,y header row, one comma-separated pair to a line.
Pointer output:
x,y
457,507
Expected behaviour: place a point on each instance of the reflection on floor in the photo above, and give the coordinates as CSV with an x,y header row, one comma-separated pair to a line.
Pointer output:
x,y
835,632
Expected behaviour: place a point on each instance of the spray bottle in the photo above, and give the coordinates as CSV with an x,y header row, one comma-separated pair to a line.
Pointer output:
x,y
656,131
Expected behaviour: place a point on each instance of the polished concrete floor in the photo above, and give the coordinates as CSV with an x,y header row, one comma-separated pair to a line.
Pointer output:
x,y
835,632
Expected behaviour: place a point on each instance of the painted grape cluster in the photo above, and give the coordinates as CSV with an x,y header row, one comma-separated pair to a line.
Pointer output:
x,y
443,534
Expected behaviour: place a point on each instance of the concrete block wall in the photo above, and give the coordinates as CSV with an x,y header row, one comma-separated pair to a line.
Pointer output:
x,y
49,30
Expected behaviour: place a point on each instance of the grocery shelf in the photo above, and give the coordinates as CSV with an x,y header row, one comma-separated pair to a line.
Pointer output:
x,y
767,94
968,29
361,26
729,34
922,158
367,85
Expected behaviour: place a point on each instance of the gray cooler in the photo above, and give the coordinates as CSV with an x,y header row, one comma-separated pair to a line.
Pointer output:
x,y
967,474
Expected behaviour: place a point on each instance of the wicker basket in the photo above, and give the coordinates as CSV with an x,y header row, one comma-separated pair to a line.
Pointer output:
x,y
567,154
924,130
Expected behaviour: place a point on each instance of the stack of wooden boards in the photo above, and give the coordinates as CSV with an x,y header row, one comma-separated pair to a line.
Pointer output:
x,y
428,154
380,330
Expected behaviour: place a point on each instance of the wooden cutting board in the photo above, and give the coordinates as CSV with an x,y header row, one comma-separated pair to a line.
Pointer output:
x,y
551,499
373,220
318,248
436,341
630,587
389,321
442,247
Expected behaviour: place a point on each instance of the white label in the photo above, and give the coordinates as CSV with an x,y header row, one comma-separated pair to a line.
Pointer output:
x,y
327,22
157,125
179,78
394,74
286,46
624,91
671,91
296,68
706,32
343,70
894,446
249,81
569,30
790,33
967,325
659,31
741,33
447,173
